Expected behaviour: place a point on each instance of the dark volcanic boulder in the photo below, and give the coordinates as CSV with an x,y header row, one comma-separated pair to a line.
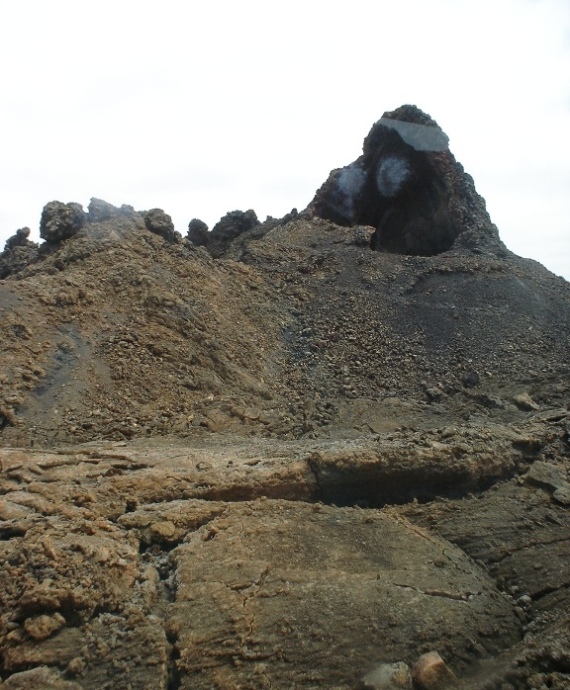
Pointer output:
x,y
18,253
61,221
160,223
100,211
20,239
408,186
228,228
198,232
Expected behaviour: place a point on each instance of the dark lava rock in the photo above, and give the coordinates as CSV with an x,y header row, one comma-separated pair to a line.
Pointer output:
x,y
409,187
228,228
20,239
471,379
100,211
160,223
198,232
18,253
61,221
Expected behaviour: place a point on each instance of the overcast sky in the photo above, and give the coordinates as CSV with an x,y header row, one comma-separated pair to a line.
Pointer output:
x,y
203,107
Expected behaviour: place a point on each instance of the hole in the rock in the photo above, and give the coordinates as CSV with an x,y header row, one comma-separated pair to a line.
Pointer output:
x,y
174,679
370,492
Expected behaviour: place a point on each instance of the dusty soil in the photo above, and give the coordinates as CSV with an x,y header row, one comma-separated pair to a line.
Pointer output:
x,y
283,467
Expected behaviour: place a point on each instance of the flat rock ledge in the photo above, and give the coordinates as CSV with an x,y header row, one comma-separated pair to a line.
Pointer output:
x,y
243,563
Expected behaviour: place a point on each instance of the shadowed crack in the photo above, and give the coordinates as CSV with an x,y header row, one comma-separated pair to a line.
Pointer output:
x,y
456,596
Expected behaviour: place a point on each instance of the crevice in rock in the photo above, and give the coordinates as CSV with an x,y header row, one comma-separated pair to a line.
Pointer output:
x,y
159,557
368,488
10,530
174,680
455,596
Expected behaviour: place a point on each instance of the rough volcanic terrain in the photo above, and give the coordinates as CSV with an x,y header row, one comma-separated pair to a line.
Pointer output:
x,y
299,453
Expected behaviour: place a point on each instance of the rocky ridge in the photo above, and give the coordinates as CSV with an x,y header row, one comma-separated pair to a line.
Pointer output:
x,y
302,452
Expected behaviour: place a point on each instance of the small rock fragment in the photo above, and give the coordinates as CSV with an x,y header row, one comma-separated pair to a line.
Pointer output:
x,y
164,529
361,235
471,379
546,474
524,402
562,496
388,677
430,672
41,627
76,666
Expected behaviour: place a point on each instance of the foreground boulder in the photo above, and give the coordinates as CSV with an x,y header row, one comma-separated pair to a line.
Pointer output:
x,y
220,592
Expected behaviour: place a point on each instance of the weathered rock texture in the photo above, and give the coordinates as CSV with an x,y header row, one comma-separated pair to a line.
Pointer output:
x,y
61,221
302,464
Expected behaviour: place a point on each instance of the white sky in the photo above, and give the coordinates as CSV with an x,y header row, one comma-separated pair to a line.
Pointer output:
x,y
203,107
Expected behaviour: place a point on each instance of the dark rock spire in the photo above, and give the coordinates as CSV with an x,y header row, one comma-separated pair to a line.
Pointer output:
x,y
408,186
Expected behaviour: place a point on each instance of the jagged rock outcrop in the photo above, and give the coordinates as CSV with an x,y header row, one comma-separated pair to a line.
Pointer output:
x,y
409,187
61,221
99,211
231,226
197,232
18,252
160,223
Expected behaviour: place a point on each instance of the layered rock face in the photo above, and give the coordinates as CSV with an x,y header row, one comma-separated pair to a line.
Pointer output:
x,y
330,450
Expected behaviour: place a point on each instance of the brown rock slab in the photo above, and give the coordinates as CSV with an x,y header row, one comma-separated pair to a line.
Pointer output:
x,y
562,495
547,474
283,593
41,678
41,627
430,672
524,402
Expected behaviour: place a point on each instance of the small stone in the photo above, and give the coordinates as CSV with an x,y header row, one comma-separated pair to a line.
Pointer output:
x,y
492,402
430,672
471,379
546,474
76,666
165,529
41,627
524,402
562,496
435,394
388,677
